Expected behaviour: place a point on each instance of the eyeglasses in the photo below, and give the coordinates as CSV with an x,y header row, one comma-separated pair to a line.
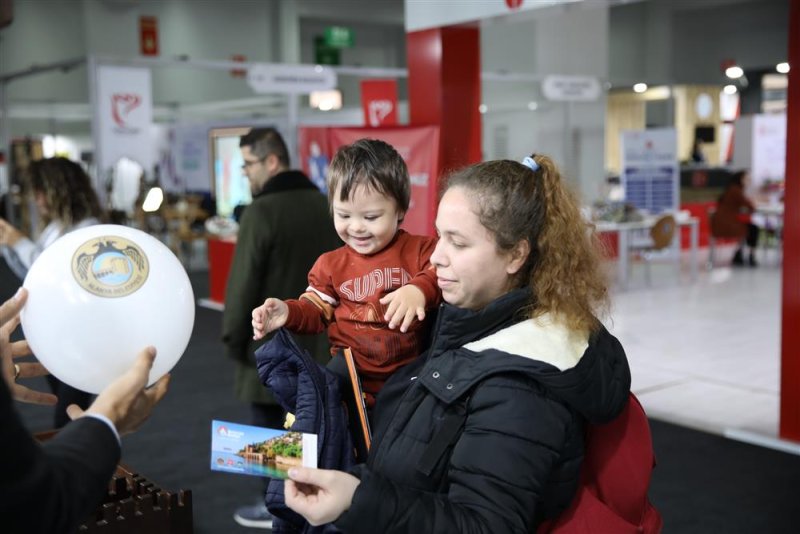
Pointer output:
x,y
248,164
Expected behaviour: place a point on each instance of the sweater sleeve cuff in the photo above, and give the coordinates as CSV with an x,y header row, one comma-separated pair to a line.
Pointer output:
x,y
295,317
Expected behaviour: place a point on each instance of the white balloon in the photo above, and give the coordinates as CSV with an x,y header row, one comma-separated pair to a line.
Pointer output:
x,y
99,295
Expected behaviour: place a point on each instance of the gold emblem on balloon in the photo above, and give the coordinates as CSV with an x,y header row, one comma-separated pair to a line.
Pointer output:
x,y
110,266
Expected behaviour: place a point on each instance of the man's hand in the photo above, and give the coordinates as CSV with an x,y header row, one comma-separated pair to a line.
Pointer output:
x,y
319,495
269,316
404,304
9,319
126,401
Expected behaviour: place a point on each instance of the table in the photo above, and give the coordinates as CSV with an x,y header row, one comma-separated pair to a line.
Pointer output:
x,y
769,217
770,209
624,229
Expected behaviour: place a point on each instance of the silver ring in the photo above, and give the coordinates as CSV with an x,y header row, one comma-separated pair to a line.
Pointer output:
x,y
16,372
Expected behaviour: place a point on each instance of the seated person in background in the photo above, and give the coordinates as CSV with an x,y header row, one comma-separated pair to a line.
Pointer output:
x,y
379,281
732,218
65,201
56,486
485,432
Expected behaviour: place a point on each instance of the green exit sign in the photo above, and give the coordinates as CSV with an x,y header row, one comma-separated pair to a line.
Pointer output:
x,y
339,37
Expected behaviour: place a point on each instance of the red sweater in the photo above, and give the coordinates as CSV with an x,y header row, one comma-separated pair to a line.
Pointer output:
x,y
343,295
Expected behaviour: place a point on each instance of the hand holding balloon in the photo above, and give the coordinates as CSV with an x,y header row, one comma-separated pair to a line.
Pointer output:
x,y
9,319
125,401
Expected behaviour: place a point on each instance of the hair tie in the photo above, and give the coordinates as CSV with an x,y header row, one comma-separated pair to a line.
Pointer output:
x,y
530,163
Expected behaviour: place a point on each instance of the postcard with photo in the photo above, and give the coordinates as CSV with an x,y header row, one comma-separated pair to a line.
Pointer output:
x,y
256,451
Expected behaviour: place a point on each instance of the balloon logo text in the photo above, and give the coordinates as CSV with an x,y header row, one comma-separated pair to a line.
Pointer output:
x,y
110,266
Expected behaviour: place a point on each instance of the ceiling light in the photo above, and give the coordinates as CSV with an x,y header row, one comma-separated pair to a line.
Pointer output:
x,y
783,68
533,106
325,100
734,72
483,108
640,87
730,89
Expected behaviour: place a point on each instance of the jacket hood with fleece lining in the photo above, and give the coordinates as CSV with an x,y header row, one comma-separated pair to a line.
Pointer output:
x,y
591,375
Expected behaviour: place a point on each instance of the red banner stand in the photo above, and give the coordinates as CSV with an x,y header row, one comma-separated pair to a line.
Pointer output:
x,y
220,257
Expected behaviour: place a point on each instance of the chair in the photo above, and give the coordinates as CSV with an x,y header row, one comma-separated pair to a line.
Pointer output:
x,y
660,237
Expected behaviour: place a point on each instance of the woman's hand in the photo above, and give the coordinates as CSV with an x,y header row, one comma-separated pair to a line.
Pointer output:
x,y
403,306
9,319
9,235
126,401
319,495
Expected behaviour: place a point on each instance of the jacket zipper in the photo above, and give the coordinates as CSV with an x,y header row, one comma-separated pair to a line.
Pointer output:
x,y
372,461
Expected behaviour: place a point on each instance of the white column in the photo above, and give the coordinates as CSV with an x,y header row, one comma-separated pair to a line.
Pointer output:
x,y
574,40
288,28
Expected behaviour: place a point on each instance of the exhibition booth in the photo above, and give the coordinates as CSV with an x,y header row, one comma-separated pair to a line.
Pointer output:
x,y
497,89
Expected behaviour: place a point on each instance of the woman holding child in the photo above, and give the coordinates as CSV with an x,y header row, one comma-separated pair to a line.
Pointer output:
x,y
484,432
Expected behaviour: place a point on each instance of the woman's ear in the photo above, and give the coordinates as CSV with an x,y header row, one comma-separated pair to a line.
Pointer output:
x,y
518,256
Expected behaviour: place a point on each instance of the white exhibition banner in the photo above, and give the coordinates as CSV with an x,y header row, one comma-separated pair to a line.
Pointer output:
x,y
760,146
650,176
426,14
124,111
275,78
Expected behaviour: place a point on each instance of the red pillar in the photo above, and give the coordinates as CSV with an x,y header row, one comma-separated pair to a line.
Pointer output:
x,y
790,333
444,89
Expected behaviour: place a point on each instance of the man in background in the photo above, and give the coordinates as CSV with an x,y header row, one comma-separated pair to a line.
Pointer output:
x,y
281,234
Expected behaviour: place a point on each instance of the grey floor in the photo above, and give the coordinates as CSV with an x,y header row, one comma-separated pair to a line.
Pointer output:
x,y
706,354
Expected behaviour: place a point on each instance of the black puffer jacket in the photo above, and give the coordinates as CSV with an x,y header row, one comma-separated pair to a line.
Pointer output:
x,y
527,386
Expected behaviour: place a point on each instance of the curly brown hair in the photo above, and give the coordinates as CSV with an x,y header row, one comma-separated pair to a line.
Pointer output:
x,y
563,267
67,190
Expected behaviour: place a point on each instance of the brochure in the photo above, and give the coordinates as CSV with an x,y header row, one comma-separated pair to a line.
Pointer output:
x,y
256,451
358,393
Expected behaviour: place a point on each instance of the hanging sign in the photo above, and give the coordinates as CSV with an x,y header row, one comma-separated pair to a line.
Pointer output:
x,y
339,37
421,15
148,36
275,78
571,88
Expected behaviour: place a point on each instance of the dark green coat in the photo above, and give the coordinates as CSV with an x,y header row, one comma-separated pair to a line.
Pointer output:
x,y
281,235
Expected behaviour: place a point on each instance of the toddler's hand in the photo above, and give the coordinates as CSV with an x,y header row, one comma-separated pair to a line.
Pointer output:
x,y
403,305
269,316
